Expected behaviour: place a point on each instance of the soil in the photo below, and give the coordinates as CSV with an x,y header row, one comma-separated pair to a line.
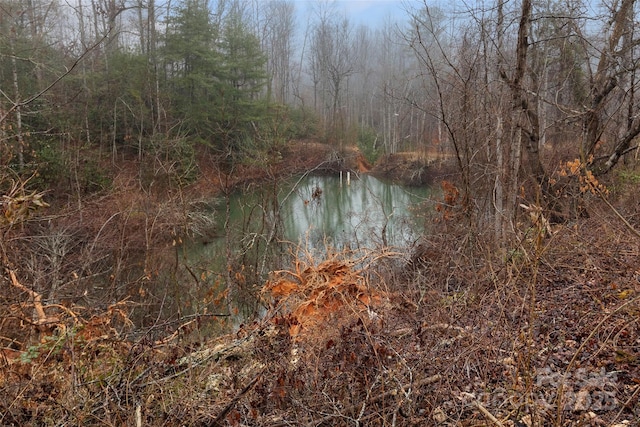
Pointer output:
x,y
405,168
297,158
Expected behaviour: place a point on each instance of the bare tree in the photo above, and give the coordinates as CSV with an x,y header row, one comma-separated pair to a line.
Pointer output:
x,y
332,60
278,42
614,66
31,68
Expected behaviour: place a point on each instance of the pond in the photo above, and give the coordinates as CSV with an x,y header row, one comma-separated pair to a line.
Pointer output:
x,y
312,214
316,212
363,213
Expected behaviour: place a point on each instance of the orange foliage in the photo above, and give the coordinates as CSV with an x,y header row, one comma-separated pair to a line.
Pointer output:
x,y
450,194
283,288
363,164
588,182
319,292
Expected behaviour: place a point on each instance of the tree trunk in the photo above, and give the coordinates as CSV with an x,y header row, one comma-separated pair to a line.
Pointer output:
x,y
604,82
528,119
17,107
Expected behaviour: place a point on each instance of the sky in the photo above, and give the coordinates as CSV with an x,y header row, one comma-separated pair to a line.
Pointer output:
x,y
371,12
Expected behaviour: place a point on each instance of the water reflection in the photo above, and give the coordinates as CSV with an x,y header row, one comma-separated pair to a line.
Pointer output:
x,y
314,213
366,213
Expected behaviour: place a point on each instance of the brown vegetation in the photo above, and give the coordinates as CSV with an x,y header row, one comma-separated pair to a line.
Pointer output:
x,y
542,333
518,306
412,168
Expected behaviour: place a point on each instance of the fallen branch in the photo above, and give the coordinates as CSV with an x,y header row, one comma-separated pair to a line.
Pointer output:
x,y
199,358
36,298
225,411
484,410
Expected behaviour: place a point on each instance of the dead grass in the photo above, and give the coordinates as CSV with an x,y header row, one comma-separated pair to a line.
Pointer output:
x,y
544,333
547,337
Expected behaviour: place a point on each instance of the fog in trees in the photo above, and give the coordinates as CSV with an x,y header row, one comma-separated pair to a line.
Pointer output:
x,y
529,101
134,133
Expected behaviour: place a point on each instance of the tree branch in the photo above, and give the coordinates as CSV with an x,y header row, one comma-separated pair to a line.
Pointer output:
x,y
68,71
36,299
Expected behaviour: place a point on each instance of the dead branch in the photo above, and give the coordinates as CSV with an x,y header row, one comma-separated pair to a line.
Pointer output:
x,y
429,380
484,410
233,402
42,319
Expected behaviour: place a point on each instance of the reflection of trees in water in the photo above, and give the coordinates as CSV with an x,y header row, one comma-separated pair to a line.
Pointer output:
x,y
316,194
367,213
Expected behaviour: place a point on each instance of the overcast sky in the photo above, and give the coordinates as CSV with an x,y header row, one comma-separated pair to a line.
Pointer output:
x,y
371,12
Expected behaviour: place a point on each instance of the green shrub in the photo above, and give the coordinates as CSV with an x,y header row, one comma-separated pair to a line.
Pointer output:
x,y
50,166
303,123
367,143
93,178
627,176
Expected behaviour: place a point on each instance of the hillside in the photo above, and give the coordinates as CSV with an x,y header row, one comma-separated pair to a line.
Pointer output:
x,y
543,333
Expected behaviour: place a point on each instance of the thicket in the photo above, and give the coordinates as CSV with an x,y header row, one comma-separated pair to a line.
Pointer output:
x,y
518,306
450,333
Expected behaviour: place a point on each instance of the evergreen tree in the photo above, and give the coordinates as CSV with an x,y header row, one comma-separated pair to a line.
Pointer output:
x,y
239,107
192,66
215,75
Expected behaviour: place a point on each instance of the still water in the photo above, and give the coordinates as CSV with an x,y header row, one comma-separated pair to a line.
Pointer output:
x,y
314,213
367,212
302,217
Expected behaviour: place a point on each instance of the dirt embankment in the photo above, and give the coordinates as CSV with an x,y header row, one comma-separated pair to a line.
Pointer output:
x,y
408,168
297,158
310,155
412,168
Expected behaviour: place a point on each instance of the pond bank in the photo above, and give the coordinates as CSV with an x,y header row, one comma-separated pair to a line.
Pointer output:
x,y
413,168
406,169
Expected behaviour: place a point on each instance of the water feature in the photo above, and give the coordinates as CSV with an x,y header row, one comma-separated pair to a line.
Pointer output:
x,y
319,211
367,212
312,213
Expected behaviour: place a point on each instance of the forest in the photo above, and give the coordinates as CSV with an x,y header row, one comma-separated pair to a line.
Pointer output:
x,y
127,127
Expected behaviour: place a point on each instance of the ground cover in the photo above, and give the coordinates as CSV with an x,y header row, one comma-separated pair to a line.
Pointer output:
x,y
544,332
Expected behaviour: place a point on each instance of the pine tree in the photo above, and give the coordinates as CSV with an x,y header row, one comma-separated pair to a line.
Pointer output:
x,y
192,66
240,108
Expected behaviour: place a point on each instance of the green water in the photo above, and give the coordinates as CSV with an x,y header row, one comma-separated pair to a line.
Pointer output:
x,y
269,225
366,213
314,212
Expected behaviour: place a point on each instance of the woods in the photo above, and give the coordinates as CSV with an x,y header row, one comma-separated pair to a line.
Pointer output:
x,y
125,75
126,126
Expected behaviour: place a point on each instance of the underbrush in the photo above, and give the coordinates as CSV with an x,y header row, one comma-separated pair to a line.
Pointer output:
x,y
456,332
453,335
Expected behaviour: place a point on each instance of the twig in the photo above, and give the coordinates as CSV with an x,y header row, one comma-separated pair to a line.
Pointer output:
x,y
429,380
36,298
233,402
138,415
615,211
194,318
487,414
560,393
484,410
626,404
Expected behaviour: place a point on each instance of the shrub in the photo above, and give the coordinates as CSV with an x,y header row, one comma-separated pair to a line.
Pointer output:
x,y
367,143
303,123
